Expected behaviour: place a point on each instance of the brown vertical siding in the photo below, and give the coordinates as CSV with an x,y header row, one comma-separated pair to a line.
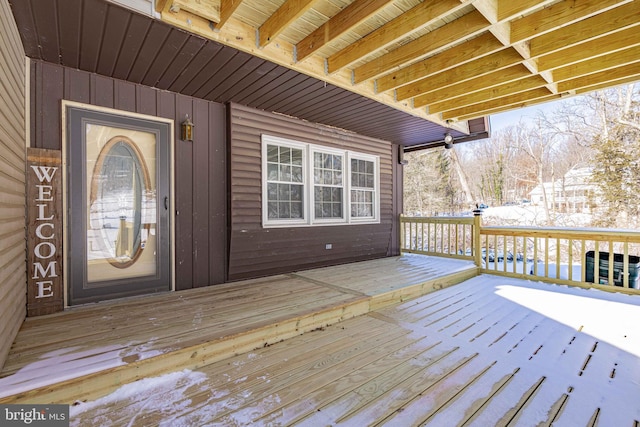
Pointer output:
x,y
200,167
13,286
255,251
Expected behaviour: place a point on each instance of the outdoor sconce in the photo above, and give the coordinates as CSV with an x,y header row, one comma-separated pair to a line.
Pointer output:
x,y
448,141
187,129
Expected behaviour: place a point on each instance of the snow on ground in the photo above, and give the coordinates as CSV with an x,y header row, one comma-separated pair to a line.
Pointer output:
x,y
531,215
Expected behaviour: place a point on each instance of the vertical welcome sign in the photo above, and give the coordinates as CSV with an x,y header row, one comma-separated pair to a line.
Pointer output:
x,y
44,232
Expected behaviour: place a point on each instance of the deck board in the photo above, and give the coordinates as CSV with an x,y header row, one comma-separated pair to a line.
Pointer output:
x,y
488,351
137,337
491,360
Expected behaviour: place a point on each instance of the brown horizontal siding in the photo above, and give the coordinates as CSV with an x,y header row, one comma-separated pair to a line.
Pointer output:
x,y
200,166
256,251
13,286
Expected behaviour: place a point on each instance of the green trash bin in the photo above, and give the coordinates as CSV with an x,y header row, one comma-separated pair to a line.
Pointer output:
x,y
618,263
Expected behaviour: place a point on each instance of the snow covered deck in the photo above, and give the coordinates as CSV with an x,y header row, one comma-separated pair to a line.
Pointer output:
x,y
490,351
87,352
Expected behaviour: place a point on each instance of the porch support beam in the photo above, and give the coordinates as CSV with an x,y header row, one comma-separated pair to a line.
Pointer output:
x,y
227,8
415,19
432,42
290,11
478,68
351,16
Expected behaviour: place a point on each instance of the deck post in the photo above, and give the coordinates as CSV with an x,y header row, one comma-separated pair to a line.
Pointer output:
x,y
477,223
401,236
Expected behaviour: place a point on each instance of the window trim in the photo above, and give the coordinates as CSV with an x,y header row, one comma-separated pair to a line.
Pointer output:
x,y
309,219
376,187
313,149
305,178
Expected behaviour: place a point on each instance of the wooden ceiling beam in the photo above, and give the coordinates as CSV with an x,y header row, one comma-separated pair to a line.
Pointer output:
x,y
609,84
593,48
207,9
483,113
613,20
242,36
281,19
161,5
601,78
352,15
446,36
415,19
508,9
471,70
600,63
473,49
497,78
508,88
557,16
227,8
493,104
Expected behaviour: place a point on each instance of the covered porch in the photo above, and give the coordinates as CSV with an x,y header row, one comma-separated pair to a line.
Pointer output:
x,y
381,348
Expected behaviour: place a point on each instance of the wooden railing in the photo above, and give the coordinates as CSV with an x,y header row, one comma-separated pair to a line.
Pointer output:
x,y
576,257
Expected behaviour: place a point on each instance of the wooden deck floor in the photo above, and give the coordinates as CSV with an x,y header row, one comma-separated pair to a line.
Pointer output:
x,y
87,352
490,351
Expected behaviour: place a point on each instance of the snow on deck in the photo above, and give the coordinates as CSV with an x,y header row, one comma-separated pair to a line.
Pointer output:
x,y
490,351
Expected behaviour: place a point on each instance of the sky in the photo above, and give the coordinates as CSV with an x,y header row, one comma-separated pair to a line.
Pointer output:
x,y
513,117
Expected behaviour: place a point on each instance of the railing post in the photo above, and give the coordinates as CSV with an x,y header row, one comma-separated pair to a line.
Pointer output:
x,y
401,233
477,223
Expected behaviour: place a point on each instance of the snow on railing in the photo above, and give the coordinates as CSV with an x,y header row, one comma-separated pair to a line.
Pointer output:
x,y
572,256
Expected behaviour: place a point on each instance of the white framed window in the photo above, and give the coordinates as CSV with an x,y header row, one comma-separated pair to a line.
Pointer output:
x,y
364,185
284,182
306,184
328,185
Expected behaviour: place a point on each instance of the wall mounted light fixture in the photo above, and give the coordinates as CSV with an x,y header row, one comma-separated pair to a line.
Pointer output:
x,y
448,140
187,129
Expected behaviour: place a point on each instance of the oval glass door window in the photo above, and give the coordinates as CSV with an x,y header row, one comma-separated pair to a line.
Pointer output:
x,y
120,193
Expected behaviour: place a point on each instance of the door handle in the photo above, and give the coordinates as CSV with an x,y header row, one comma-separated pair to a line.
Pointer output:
x,y
166,203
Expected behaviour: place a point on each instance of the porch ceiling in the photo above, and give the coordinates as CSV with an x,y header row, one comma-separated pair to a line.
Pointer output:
x,y
446,60
104,38
401,70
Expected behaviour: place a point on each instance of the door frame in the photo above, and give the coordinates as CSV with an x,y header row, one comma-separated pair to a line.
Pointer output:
x,y
65,196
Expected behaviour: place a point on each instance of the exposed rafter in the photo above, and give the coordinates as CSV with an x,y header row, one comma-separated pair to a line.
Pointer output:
x,y
349,17
444,60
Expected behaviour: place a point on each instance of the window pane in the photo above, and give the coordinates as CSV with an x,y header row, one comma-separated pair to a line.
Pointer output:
x,y
273,210
337,178
296,157
283,210
284,191
272,153
285,173
296,174
369,181
296,193
272,191
296,210
369,167
337,162
362,203
285,155
272,172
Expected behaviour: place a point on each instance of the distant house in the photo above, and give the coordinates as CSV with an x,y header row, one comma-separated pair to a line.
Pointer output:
x,y
573,193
